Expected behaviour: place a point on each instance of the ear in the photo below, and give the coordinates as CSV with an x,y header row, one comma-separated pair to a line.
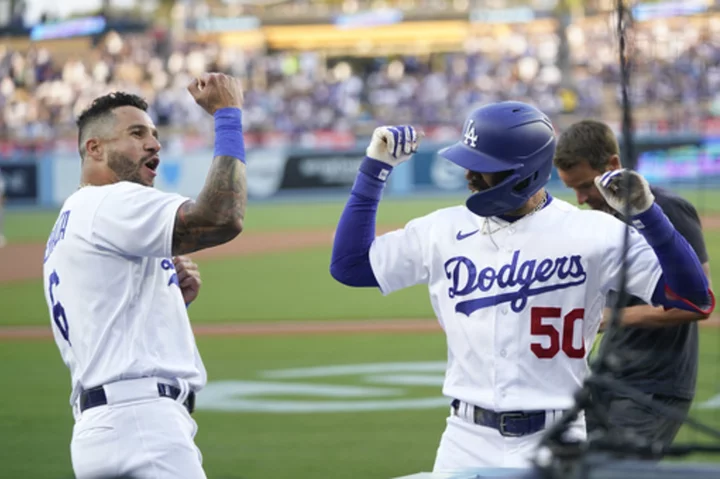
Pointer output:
x,y
94,148
614,163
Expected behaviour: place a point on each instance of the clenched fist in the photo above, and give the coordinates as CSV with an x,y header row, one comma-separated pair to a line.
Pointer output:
x,y
612,185
188,278
213,91
393,144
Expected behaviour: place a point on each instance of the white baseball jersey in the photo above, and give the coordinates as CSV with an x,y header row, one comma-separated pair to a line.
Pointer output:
x,y
520,307
115,304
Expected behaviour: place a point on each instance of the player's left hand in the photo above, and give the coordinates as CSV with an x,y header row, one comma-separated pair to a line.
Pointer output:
x,y
188,277
612,186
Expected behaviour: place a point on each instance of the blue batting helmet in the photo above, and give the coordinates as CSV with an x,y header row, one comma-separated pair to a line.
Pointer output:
x,y
508,137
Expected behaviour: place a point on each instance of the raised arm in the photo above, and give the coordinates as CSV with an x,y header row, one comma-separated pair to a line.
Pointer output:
x,y
217,215
683,283
355,233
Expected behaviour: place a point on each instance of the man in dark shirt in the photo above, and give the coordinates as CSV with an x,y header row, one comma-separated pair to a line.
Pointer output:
x,y
657,349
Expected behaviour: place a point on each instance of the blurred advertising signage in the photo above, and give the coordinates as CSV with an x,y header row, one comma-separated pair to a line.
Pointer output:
x,y
77,27
20,180
372,18
502,15
321,170
681,162
648,11
226,24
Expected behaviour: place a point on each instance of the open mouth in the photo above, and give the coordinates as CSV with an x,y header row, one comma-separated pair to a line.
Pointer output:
x,y
152,164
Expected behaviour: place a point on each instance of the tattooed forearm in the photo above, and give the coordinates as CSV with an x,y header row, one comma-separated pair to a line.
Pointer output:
x,y
217,215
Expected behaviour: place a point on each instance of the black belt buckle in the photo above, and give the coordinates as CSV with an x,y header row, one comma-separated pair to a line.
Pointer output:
x,y
498,420
502,426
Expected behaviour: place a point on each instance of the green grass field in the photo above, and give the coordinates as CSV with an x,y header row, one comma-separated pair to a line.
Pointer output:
x,y
240,444
35,225
251,439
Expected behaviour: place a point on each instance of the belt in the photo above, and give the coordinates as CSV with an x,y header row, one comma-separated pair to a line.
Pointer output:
x,y
96,397
508,423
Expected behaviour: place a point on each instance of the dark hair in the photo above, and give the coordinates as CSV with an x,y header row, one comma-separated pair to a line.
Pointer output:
x,y
588,140
102,107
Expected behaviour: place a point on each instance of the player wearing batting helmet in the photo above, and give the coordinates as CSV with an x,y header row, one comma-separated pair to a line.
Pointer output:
x,y
517,279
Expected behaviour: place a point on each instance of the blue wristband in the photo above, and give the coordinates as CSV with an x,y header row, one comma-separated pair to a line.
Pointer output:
x,y
228,133
376,169
370,182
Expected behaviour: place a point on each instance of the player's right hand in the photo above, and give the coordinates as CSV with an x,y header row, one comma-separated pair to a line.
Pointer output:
x,y
213,91
393,144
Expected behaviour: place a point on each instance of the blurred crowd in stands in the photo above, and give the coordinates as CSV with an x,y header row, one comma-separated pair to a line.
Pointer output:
x,y
674,71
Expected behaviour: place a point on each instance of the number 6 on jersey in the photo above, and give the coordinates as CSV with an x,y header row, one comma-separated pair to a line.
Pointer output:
x,y
58,311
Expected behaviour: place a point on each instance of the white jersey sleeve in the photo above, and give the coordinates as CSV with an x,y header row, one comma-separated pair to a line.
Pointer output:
x,y
398,258
136,220
643,268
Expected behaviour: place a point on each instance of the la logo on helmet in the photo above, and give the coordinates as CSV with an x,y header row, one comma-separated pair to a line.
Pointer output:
x,y
470,137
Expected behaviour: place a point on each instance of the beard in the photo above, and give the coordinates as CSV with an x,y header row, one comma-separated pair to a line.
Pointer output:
x,y
125,169
476,182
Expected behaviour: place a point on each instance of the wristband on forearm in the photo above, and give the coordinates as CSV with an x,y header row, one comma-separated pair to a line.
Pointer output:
x,y
228,133
371,181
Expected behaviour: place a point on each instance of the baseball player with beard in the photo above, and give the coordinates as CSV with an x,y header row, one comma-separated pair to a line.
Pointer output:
x,y
517,279
117,285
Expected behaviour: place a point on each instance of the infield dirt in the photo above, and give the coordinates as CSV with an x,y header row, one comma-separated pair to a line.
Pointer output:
x,y
22,262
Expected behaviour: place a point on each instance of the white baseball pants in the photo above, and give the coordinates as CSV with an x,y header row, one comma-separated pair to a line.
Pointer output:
x,y
149,438
465,445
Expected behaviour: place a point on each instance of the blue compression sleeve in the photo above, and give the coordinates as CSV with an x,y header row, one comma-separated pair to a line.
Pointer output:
x,y
350,263
682,272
